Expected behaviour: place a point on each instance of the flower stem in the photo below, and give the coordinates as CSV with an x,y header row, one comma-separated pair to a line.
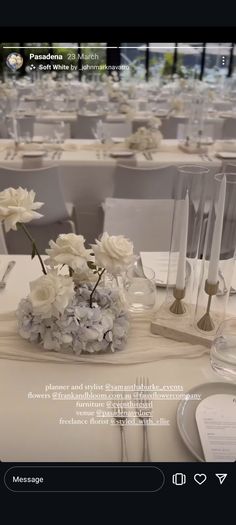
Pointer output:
x,y
93,290
35,249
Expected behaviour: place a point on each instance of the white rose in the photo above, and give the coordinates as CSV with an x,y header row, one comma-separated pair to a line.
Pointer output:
x,y
51,294
17,205
114,253
68,249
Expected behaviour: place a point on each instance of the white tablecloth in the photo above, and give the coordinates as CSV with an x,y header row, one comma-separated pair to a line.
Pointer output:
x,y
30,428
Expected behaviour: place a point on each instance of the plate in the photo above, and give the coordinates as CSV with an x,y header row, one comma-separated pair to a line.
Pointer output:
x,y
186,420
122,154
32,153
118,140
226,154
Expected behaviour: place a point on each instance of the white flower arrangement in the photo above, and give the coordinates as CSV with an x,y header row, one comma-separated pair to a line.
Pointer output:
x,y
125,108
177,104
70,308
18,206
144,139
154,123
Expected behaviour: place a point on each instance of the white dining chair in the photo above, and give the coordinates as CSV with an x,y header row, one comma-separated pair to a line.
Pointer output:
x,y
48,129
170,125
156,182
229,128
84,125
223,105
25,125
58,215
147,223
117,129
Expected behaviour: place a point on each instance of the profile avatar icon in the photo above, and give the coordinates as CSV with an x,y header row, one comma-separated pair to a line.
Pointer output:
x,y
14,61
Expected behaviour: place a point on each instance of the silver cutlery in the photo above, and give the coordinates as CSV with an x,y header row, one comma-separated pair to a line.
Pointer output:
x,y
145,154
59,153
141,387
54,154
10,265
14,154
209,158
120,419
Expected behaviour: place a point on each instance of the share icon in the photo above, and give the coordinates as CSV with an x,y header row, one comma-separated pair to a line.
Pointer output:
x,y
221,477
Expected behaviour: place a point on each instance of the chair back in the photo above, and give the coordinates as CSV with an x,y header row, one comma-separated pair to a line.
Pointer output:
x,y
158,182
25,125
170,125
229,128
117,129
147,223
48,129
84,125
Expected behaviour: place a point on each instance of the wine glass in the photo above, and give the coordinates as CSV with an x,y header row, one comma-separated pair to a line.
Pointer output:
x,y
223,350
59,132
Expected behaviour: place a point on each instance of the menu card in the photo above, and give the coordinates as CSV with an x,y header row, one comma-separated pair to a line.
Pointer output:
x,y
216,421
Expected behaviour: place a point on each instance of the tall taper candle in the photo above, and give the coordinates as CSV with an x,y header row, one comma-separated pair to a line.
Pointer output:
x,y
181,270
217,234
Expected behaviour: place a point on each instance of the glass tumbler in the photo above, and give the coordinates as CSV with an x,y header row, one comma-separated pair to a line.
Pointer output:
x,y
140,289
223,350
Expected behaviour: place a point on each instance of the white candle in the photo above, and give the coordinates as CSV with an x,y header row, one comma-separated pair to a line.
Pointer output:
x,y
181,270
217,234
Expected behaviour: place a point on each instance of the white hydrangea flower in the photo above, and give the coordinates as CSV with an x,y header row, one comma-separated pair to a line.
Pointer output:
x,y
17,205
79,329
68,249
113,252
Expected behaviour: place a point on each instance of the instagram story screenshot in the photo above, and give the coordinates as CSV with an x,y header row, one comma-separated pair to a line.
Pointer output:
x,y
117,264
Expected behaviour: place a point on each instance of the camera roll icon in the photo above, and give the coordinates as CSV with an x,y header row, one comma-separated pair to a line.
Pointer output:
x,y
179,478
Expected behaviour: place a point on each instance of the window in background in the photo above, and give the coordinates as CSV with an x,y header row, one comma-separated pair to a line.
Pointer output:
x,y
216,61
161,56
189,60
134,56
93,60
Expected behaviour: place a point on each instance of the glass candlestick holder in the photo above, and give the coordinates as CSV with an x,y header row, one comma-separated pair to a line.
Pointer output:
x,y
212,300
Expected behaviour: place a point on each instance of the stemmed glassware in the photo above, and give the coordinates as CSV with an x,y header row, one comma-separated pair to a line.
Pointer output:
x,y
223,350
59,132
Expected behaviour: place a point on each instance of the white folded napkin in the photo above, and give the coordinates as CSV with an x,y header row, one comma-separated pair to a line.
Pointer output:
x,y
142,347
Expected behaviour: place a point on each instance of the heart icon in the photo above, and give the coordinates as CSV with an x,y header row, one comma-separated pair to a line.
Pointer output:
x,y
200,478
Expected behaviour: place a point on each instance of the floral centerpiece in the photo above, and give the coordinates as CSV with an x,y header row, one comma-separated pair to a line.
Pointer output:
x,y
144,139
177,105
71,308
